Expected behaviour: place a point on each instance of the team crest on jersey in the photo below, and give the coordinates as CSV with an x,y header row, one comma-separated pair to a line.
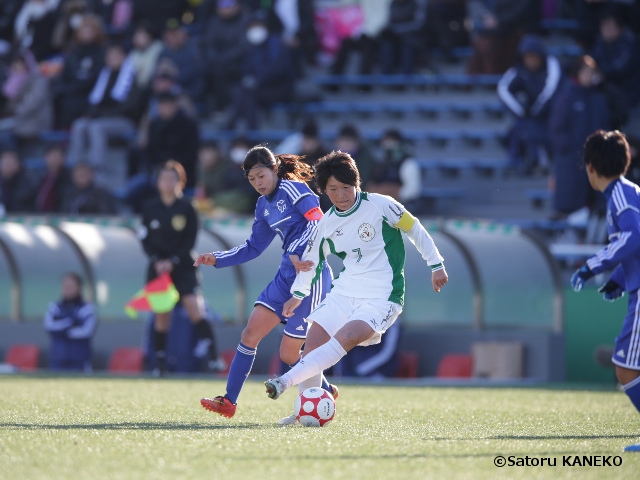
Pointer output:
x,y
178,222
266,212
366,232
282,206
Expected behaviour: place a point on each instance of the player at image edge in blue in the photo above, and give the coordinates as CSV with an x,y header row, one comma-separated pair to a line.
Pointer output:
x,y
607,158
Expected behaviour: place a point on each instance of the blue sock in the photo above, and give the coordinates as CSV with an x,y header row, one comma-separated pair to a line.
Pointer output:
x,y
632,389
239,371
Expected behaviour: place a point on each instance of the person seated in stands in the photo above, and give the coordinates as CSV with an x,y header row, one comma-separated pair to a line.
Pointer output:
x,y
224,47
34,27
55,182
213,169
84,197
144,55
68,21
185,54
80,72
173,136
527,89
268,74
239,196
17,191
71,323
112,112
618,57
397,174
28,107
401,40
157,13
349,141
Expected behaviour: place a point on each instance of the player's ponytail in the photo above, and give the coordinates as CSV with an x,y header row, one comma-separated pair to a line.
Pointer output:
x,y
286,166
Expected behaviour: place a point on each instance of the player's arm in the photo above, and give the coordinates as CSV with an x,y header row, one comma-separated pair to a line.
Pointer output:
x,y
309,207
53,322
261,237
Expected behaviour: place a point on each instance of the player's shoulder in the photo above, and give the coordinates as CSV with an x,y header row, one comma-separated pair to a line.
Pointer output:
x,y
295,191
625,195
379,200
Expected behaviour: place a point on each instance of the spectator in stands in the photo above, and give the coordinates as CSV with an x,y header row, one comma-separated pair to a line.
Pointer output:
x,y
240,197
445,25
375,15
71,323
527,90
69,20
113,109
8,11
28,98
185,55
224,45
618,57
145,54
157,13
55,182
349,141
17,191
578,110
267,76
173,136
497,28
397,174
84,197
81,69
34,27
401,39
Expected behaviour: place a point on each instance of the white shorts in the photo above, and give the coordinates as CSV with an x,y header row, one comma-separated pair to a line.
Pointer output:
x,y
336,311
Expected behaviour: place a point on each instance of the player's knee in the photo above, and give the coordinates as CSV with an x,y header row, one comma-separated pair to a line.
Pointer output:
x,y
626,375
289,357
250,337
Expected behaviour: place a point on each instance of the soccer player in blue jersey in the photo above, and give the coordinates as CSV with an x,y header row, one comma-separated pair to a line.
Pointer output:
x,y
606,157
290,210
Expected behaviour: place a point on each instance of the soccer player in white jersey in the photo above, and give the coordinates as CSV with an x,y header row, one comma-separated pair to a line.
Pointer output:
x,y
365,231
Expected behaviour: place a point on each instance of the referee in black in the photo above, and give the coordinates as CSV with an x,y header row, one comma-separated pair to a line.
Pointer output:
x,y
168,233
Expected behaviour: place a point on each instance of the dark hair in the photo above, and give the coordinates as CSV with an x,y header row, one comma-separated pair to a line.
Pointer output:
x,y
580,62
75,276
341,166
393,134
607,152
286,166
349,131
178,169
613,12
310,129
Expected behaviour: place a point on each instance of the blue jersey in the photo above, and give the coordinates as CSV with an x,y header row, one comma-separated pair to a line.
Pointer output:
x,y
623,224
291,212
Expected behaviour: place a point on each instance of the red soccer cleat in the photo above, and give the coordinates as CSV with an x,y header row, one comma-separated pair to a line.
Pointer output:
x,y
220,405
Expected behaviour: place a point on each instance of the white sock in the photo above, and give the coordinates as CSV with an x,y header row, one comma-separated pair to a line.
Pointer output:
x,y
314,363
315,381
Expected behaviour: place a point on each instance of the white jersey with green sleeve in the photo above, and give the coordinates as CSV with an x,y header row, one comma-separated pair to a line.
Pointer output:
x,y
368,239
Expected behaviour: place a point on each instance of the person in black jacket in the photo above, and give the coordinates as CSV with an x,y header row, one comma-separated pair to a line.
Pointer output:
x,y
81,69
168,234
84,197
400,41
527,89
173,136
55,182
113,108
17,191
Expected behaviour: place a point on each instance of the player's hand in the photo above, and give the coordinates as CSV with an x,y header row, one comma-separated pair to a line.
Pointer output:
x,y
289,306
299,265
438,279
205,259
611,291
579,278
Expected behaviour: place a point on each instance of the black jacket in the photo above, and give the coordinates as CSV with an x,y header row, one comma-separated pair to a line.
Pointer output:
x,y
17,193
169,233
176,139
93,200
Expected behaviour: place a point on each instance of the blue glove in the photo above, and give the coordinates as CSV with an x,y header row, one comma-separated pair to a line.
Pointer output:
x,y
611,291
580,277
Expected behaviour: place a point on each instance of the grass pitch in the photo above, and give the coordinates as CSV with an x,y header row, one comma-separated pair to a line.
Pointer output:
x,y
142,428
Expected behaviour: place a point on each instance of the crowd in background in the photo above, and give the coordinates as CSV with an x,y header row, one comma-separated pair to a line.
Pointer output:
x,y
150,72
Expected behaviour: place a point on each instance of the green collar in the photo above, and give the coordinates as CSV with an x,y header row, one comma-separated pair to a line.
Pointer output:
x,y
359,197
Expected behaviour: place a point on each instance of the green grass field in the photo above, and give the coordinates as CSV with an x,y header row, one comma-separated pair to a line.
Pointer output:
x,y
144,428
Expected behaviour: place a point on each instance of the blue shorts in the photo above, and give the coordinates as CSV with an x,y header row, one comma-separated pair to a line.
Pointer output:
x,y
279,291
627,351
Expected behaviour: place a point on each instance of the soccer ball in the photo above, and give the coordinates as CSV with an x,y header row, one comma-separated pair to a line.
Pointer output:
x,y
315,407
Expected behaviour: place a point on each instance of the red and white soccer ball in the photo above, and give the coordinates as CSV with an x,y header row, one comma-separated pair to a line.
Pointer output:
x,y
315,407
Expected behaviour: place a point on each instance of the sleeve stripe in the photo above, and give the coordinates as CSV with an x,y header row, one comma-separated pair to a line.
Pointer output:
x,y
609,252
553,77
505,94
230,253
311,226
295,195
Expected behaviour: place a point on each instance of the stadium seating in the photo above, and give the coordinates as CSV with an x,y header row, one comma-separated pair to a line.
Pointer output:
x,y
126,360
455,366
24,357
407,365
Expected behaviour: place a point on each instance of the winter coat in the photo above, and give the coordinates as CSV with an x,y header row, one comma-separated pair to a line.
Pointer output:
x,y
145,62
528,94
224,40
92,200
17,193
271,65
189,62
32,109
407,17
620,63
